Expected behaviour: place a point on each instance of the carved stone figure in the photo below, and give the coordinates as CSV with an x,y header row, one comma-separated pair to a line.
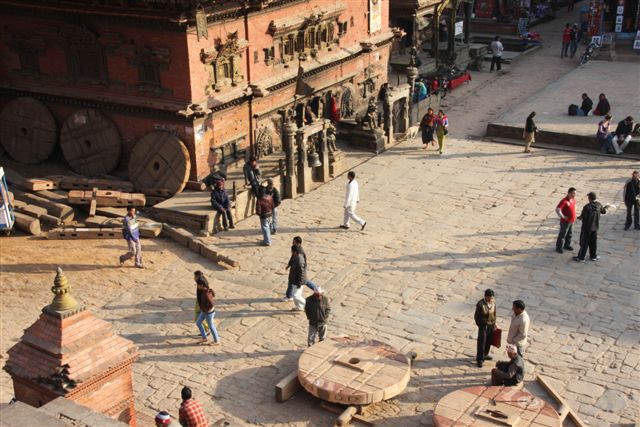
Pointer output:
x,y
370,120
331,142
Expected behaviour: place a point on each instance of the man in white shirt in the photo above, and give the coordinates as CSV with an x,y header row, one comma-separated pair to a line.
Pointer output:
x,y
351,199
496,53
519,327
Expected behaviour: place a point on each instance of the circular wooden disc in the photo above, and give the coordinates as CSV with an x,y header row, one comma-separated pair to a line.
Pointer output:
x,y
90,142
28,130
467,406
353,371
159,160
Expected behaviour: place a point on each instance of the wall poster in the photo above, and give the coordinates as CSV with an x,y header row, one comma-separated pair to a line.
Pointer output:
x,y
375,15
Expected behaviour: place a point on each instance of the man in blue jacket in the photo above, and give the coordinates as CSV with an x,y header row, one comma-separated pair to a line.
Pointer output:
x,y
131,233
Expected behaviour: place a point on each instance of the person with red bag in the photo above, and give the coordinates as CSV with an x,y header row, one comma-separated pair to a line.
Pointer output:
x,y
485,318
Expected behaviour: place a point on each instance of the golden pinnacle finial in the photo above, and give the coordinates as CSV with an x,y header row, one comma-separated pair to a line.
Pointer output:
x,y
62,301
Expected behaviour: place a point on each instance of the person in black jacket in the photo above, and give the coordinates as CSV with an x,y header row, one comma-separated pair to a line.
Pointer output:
x,y
590,218
587,105
485,318
317,310
631,198
530,130
222,205
297,277
275,195
622,135
252,175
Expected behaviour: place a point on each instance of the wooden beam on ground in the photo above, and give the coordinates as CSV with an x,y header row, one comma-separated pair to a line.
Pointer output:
x,y
565,411
111,212
195,186
177,234
107,198
27,223
36,212
60,197
287,387
31,184
82,183
340,409
63,212
84,233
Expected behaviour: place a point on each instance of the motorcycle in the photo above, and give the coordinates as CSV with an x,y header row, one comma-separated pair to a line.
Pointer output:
x,y
588,53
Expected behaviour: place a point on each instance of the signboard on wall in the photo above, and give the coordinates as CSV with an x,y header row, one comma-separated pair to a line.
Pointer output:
x,y
375,15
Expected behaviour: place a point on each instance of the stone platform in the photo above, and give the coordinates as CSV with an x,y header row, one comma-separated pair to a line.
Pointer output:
x,y
556,126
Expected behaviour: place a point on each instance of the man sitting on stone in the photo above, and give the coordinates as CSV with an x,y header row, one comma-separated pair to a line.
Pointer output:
x,y
622,135
509,373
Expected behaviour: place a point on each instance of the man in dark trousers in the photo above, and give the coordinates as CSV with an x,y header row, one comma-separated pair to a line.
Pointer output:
x,y
252,175
131,233
222,205
590,218
566,210
317,310
297,277
485,317
275,195
297,241
631,198
264,209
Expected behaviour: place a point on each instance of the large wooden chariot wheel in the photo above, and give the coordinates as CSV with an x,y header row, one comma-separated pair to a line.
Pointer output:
x,y
28,130
159,161
494,406
90,142
353,371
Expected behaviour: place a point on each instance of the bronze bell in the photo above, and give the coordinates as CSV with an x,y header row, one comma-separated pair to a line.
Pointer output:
x,y
314,160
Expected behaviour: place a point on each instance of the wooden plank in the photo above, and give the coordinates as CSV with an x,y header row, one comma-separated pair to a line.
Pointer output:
x,y
150,229
346,416
27,223
111,212
233,263
53,196
209,252
339,409
27,209
82,183
107,198
195,186
177,234
287,387
567,411
176,218
99,221
84,233
31,184
63,212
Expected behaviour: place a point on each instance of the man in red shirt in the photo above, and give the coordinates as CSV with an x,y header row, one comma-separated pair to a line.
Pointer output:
x,y
191,413
566,210
566,40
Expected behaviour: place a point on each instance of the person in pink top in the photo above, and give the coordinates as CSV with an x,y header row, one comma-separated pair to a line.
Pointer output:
x,y
566,210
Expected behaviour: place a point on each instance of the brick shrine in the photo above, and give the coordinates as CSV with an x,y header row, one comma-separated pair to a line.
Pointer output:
x,y
68,352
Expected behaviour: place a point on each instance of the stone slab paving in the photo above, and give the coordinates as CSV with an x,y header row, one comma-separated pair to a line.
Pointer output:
x,y
551,104
440,230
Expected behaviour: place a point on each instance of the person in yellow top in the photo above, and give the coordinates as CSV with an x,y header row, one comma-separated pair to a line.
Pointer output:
x,y
442,129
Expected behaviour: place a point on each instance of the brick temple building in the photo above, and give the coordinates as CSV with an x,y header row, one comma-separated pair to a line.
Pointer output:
x,y
98,76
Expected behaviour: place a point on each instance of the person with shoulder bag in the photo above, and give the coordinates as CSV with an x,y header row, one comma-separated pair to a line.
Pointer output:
x,y
207,312
485,318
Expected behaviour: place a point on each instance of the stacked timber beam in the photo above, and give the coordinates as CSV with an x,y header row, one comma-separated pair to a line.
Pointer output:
x,y
197,245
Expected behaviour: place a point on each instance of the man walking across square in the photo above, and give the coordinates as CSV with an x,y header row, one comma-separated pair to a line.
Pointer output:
x,y
566,210
519,327
264,209
275,195
351,199
631,197
590,218
317,310
131,233
485,318
297,241
297,277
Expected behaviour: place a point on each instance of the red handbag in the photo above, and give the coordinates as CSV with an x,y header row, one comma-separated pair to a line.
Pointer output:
x,y
496,339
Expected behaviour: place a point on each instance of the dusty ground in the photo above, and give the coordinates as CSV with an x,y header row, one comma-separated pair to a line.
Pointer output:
x,y
440,231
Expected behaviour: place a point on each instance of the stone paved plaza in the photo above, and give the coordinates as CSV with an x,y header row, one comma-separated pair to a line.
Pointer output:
x,y
440,230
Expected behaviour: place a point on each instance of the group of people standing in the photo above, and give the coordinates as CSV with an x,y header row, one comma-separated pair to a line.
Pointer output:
x,y
570,39
509,372
434,124
590,217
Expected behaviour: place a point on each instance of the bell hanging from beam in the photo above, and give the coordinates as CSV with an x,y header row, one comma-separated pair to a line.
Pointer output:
x,y
314,160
